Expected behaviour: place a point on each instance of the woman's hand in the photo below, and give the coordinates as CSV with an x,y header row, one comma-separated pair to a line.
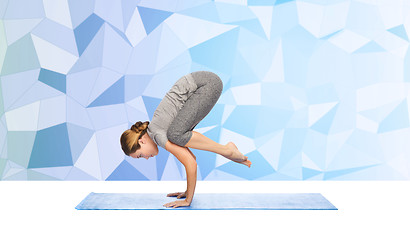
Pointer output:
x,y
178,194
175,204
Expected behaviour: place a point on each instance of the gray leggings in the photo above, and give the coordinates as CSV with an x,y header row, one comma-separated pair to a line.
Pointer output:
x,y
196,107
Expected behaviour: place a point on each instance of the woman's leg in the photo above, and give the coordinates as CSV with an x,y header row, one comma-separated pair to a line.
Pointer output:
x,y
196,107
199,104
230,151
202,142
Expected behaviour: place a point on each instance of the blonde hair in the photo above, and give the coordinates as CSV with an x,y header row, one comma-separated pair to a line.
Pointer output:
x,y
129,138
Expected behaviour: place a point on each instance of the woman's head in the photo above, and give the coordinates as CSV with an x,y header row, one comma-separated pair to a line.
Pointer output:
x,y
136,142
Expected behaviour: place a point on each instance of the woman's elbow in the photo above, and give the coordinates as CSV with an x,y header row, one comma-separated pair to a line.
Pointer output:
x,y
191,165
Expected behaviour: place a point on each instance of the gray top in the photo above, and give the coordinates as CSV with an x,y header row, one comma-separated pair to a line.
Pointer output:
x,y
168,108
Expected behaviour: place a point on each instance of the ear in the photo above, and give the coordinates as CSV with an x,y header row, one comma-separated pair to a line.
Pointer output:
x,y
142,139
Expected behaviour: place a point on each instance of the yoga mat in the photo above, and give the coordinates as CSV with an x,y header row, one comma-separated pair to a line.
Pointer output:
x,y
207,201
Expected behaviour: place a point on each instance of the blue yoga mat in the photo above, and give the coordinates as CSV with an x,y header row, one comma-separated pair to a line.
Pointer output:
x,y
207,201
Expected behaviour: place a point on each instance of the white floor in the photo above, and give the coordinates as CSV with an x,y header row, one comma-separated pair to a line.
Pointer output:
x,y
46,210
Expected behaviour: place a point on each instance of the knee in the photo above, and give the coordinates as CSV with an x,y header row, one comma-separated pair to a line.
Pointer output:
x,y
173,135
170,134
178,137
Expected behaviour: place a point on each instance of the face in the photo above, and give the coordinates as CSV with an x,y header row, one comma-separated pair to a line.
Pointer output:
x,y
148,148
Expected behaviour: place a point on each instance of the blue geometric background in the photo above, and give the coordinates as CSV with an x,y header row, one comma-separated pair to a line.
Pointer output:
x,y
313,89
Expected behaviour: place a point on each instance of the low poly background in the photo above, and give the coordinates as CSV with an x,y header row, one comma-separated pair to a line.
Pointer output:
x,y
313,89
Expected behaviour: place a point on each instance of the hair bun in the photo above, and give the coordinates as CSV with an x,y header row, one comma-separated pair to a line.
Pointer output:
x,y
139,126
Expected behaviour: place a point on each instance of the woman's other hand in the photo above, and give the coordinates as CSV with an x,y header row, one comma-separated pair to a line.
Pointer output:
x,y
175,204
177,194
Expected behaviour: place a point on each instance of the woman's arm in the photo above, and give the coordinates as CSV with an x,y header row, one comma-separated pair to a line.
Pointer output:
x,y
185,156
191,153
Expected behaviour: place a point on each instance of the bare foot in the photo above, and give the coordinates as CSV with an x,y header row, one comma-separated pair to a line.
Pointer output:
x,y
237,156
246,162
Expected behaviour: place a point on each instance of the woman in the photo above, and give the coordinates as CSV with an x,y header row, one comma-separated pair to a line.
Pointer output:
x,y
188,101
